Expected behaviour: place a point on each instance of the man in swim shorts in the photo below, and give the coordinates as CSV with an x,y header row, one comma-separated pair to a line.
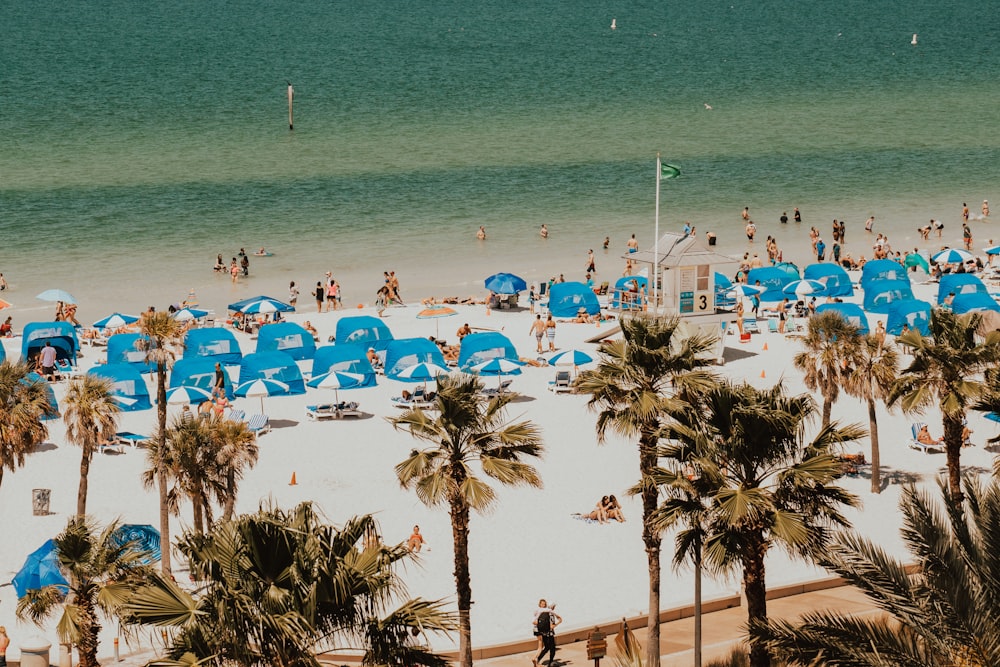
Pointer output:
x,y
538,329
632,245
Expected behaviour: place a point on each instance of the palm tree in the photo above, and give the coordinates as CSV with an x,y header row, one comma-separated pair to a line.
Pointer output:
x,y
236,451
162,334
947,369
23,403
946,614
102,570
91,416
767,485
637,380
870,377
277,587
467,429
831,344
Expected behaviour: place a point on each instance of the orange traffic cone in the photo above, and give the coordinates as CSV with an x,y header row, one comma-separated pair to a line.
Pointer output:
x,y
293,482
765,346
763,374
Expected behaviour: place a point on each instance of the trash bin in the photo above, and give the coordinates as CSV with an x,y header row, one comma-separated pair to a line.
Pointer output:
x,y
35,652
40,501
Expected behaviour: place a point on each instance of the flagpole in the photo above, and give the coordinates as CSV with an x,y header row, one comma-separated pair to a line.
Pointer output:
x,y
656,238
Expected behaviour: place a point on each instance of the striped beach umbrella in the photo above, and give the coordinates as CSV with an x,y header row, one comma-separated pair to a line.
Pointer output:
x,y
261,387
570,358
436,313
185,395
803,287
115,320
185,314
337,380
952,256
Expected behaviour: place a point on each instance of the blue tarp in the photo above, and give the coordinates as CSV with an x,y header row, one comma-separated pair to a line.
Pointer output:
x,y
199,372
973,303
346,358
287,337
914,313
62,335
213,343
959,283
621,295
566,300
850,312
40,569
882,269
406,352
837,282
273,366
363,330
127,383
880,293
122,350
772,279
479,347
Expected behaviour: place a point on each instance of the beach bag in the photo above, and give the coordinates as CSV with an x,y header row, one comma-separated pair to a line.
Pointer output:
x,y
544,624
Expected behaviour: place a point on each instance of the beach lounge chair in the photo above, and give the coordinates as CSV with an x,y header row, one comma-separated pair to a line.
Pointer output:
x,y
237,415
122,440
922,446
410,403
259,424
490,392
750,325
320,412
772,326
561,384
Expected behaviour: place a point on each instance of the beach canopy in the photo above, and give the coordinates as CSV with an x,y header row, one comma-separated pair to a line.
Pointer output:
x,y
287,337
40,569
127,383
213,343
363,330
834,276
346,358
772,279
880,293
973,303
914,313
62,335
566,300
479,347
123,349
199,372
272,366
623,287
849,311
959,283
505,283
261,305
882,269
406,352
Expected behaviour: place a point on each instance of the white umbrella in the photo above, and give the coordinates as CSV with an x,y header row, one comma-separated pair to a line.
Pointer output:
x,y
803,287
261,387
498,366
747,290
337,380
184,395
952,256
423,371
570,358
115,320
185,314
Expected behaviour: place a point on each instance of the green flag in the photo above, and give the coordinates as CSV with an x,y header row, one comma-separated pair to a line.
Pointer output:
x,y
669,171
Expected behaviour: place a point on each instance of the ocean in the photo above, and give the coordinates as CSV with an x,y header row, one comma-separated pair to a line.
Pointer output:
x,y
139,140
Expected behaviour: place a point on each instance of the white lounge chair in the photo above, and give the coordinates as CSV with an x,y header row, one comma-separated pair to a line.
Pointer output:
x,y
923,446
562,383
259,424
332,411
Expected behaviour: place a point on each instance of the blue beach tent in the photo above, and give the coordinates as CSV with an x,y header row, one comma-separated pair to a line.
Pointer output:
x,y
273,366
122,350
199,372
772,279
622,287
213,343
914,313
880,293
406,352
973,303
837,282
959,283
882,269
346,358
53,410
287,337
481,347
62,335
128,383
566,300
363,330
849,311
3,354
788,267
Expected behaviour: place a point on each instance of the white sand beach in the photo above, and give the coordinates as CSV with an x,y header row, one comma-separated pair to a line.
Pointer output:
x,y
528,547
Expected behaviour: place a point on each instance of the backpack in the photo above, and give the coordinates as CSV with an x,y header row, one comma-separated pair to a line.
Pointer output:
x,y
544,623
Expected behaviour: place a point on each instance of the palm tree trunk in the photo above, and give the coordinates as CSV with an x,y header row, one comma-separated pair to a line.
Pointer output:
x,y
161,473
463,585
90,631
876,458
755,589
199,518
953,448
827,410
230,506
651,538
81,494
697,606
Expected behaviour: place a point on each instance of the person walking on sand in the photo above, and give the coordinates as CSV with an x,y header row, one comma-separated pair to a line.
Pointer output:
x,y
320,293
293,293
590,262
550,332
543,606
4,643
546,627
538,329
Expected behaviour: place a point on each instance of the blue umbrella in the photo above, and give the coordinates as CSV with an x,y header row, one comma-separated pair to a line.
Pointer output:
x,y
115,320
187,394
422,372
498,366
261,304
505,283
144,539
337,380
40,569
185,314
743,289
952,256
801,287
992,250
993,416
56,295
570,358
261,387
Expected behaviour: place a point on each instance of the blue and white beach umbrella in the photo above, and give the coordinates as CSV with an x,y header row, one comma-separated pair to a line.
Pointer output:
x,y
337,380
803,287
142,538
185,314
992,250
422,372
265,305
261,387
570,358
952,256
115,320
185,395
743,289
505,283
498,366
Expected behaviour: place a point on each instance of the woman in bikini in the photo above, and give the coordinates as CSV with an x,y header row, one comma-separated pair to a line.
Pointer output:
x,y
550,332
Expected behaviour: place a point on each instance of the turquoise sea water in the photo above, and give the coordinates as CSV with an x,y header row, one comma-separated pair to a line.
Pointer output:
x,y
137,140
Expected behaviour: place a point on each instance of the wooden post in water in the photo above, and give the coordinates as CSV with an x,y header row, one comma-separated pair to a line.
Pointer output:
x,y
291,97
